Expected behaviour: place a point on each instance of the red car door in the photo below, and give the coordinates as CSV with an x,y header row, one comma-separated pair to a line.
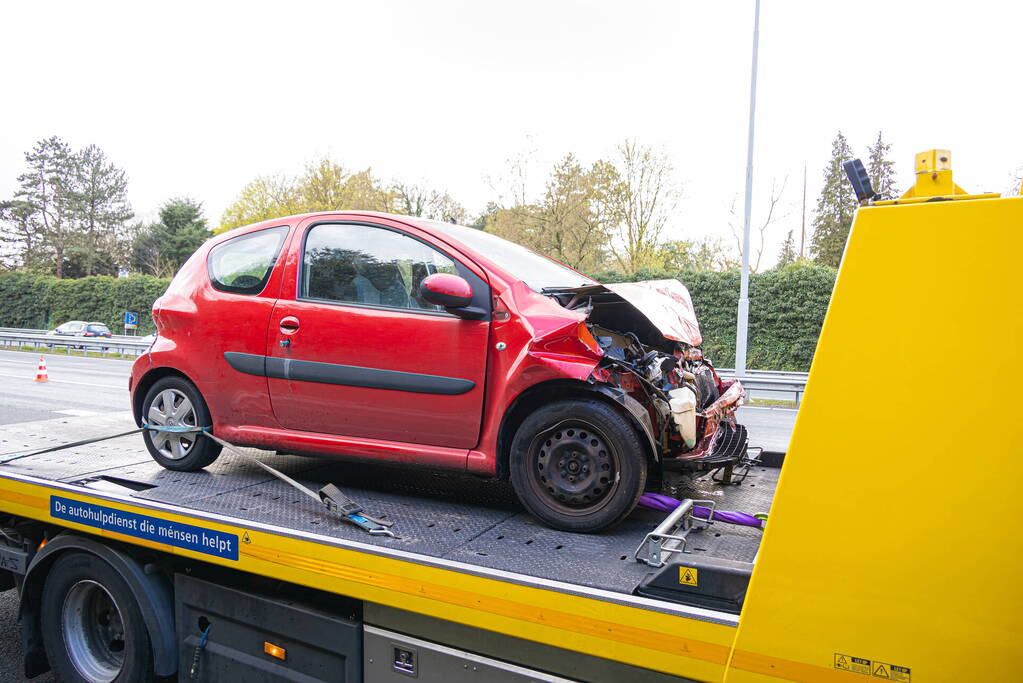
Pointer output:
x,y
354,350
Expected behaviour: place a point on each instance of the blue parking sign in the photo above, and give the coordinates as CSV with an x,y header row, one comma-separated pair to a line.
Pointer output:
x,y
131,319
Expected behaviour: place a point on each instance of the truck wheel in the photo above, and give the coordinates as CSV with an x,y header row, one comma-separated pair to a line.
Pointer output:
x,y
174,401
578,465
92,627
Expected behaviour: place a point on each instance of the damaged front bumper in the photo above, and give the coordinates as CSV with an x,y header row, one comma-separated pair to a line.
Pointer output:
x,y
723,439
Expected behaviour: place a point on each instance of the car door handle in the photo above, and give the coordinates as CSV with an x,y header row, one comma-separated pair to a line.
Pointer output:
x,y
289,324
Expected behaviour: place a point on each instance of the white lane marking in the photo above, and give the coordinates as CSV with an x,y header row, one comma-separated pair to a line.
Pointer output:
x,y
52,367
33,356
67,381
77,413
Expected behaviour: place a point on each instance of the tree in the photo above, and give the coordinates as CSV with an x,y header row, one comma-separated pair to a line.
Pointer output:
x,y
324,186
788,251
576,213
835,208
48,188
162,247
327,186
573,219
706,253
19,236
881,169
101,208
415,200
263,198
757,248
68,215
645,197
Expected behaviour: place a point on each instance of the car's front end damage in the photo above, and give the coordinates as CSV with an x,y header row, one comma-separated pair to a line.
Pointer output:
x,y
649,341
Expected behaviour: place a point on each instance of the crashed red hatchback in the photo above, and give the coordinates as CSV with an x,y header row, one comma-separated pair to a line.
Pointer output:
x,y
407,341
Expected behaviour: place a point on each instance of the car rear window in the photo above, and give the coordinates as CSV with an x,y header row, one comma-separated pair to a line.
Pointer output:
x,y
99,329
243,265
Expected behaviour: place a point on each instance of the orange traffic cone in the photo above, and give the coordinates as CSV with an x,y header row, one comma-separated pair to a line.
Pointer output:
x,y
41,375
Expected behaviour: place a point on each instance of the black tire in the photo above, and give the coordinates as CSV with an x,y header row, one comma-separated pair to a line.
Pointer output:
x,y
597,459
193,451
105,634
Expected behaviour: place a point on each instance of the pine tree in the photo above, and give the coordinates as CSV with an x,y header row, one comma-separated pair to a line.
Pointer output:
x,y
161,248
101,210
835,208
47,187
788,251
881,169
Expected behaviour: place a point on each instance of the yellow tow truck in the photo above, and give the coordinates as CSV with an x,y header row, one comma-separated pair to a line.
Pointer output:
x,y
891,551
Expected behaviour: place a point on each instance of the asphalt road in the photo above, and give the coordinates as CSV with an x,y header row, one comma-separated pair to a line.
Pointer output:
x,y
82,386
78,386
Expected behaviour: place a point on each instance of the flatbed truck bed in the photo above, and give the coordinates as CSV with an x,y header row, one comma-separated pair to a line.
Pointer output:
x,y
460,526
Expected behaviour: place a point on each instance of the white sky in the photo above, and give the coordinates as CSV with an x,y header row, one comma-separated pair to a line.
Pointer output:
x,y
198,98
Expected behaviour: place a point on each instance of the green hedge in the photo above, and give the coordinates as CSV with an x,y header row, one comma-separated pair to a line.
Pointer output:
x,y
43,302
787,309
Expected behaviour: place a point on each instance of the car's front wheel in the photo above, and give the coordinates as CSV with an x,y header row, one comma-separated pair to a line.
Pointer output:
x,y
578,465
175,402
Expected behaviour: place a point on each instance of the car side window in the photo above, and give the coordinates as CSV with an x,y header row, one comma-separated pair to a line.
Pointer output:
x,y
361,264
243,265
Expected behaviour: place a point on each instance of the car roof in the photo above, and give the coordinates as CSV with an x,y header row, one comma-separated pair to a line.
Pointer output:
x,y
298,217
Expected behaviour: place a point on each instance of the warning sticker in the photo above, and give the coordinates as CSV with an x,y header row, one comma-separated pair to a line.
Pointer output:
x,y
688,576
899,673
868,667
855,664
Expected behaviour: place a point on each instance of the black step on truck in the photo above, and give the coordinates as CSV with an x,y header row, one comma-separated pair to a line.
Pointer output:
x,y
128,572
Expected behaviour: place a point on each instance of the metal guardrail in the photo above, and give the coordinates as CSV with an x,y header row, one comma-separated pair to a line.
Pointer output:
x,y
772,382
18,330
104,345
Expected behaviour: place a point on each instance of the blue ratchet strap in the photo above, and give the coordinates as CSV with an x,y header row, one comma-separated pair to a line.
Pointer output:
x,y
182,429
83,442
175,429
337,502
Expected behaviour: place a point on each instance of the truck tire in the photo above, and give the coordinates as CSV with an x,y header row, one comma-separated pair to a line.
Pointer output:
x,y
578,465
175,401
91,625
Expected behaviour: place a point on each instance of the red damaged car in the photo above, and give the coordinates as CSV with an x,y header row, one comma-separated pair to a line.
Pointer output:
x,y
407,341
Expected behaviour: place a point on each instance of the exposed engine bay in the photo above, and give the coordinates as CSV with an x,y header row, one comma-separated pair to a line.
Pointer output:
x,y
650,341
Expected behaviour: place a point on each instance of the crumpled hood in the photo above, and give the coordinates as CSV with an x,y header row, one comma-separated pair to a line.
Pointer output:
x,y
666,304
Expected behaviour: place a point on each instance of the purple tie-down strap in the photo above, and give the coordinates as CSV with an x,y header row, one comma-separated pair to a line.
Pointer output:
x,y
657,501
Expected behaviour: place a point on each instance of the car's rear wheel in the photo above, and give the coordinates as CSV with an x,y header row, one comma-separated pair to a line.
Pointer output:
x,y
578,465
175,402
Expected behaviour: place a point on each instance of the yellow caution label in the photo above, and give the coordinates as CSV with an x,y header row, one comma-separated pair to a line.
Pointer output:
x,y
874,668
688,576
246,539
849,663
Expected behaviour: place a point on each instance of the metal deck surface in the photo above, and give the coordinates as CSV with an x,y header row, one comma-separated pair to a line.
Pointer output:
x,y
449,516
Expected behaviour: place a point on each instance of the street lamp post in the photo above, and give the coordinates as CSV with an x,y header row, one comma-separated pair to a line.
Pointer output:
x,y
742,328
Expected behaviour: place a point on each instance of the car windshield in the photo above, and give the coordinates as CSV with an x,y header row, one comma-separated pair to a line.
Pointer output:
x,y
538,272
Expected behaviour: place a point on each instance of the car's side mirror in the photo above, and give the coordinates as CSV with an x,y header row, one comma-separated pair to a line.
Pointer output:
x,y
452,292
444,289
